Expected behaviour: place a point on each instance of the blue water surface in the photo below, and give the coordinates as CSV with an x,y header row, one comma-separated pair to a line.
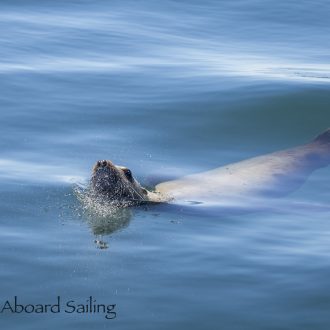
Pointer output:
x,y
166,88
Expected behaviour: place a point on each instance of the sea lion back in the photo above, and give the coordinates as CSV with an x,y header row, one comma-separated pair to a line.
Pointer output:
x,y
275,174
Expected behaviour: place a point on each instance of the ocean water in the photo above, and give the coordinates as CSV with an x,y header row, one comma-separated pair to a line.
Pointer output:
x,y
166,88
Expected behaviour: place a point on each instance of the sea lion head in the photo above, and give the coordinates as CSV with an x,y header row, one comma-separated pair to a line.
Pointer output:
x,y
116,183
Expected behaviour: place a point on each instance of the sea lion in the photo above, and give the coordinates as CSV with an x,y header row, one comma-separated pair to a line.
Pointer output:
x,y
275,174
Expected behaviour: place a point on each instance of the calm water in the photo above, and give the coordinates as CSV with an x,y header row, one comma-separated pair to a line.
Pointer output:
x,y
166,88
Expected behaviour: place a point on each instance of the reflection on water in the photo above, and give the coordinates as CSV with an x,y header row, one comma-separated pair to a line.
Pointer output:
x,y
103,217
106,224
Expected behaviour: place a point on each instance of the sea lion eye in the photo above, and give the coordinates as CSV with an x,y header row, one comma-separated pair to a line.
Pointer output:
x,y
128,174
104,163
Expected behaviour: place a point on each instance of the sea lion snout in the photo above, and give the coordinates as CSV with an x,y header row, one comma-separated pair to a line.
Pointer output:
x,y
104,176
101,164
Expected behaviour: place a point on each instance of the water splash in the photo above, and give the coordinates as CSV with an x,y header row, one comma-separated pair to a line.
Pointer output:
x,y
104,217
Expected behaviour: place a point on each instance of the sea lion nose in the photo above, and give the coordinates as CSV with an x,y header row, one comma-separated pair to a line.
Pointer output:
x,y
101,163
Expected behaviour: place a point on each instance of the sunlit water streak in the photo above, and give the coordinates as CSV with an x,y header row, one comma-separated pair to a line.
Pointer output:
x,y
140,40
17,170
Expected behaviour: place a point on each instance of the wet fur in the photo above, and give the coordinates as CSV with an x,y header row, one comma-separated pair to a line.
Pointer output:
x,y
110,181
